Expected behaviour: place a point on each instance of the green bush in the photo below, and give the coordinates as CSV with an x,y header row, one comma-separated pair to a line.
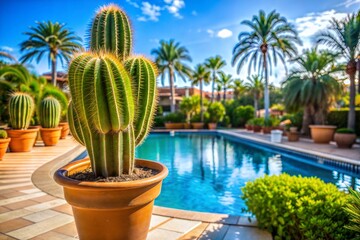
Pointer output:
x,y
226,121
159,121
345,130
258,121
197,118
353,209
250,122
216,112
293,207
339,119
176,117
241,115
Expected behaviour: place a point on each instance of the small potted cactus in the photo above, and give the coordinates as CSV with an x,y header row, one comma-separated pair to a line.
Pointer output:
x,y
344,137
21,109
49,111
4,143
111,111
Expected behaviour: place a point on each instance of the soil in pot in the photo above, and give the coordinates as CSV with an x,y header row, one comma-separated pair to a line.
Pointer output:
x,y
22,140
50,136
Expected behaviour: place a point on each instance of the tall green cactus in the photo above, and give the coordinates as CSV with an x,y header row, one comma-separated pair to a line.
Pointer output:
x,y
49,111
21,109
111,31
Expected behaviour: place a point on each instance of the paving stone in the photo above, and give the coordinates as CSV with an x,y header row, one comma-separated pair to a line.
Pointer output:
x,y
162,234
5,237
3,210
180,225
68,229
4,217
214,231
19,205
41,216
65,208
246,233
157,220
244,221
46,205
45,198
53,236
21,198
12,186
28,191
14,224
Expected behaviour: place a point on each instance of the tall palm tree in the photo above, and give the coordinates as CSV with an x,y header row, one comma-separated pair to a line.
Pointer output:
x,y
51,39
255,86
344,37
169,58
214,64
271,38
200,76
312,86
6,55
238,87
225,81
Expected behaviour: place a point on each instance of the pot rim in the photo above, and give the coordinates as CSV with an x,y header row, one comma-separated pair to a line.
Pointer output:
x,y
5,140
61,178
23,130
323,126
50,129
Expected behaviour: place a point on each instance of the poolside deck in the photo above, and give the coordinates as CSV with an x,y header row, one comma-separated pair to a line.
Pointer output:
x,y
32,207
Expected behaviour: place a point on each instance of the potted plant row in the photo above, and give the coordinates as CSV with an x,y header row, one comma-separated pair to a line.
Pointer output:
x,y
174,120
110,125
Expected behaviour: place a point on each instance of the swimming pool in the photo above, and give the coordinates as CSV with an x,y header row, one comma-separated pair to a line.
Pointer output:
x,y
206,171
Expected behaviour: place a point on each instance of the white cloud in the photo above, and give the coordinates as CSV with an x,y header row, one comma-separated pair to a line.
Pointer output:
x,y
7,49
194,13
174,7
349,3
150,12
224,33
134,4
210,32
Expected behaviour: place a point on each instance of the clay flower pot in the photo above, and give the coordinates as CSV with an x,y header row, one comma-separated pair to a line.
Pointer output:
x,y
266,130
50,136
197,125
293,136
38,136
322,133
344,140
22,140
4,143
187,125
249,127
111,210
65,129
256,128
174,125
212,126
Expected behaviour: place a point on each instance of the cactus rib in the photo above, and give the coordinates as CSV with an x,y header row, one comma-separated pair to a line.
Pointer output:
x,y
50,112
21,109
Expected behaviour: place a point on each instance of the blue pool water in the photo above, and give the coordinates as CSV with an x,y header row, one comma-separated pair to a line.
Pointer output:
x,y
206,171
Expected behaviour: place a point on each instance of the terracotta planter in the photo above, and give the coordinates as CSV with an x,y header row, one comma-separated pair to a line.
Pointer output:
x,y
212,126
293,136
65,129
22,140
174,125
38,136
197,125
50,136
110,210
322,133
256,128
266,130
249,127
345,140
187,125
293,129
4,143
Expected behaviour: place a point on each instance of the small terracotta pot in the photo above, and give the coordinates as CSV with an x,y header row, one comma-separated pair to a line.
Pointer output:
x,y
345,140
256,128
50,136
249,127
187,125
322,133
4,143
111,210
266,130
65,129
174,125
22,140
212,126
38,136
293,136
197,125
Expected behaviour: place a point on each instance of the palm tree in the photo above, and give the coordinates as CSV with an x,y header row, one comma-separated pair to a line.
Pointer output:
x,y
201,75
225,81
214,64
238,87
345,39
5,55
169,58
255,86
51,39
312,87
271,38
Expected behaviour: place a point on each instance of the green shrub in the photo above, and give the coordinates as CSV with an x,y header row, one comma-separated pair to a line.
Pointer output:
x,y
216,112
176,117
250,122
353,209
159,121
197,118
345,130
242,114
293,207
226,121
3,134
339,119
258,122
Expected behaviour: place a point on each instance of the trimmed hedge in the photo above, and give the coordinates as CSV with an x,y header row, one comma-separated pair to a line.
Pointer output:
x,y
293,207
339,118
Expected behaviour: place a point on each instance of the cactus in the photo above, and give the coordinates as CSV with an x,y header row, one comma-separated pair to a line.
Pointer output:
x,y
3,134
113,95
21,109
111,32
49,111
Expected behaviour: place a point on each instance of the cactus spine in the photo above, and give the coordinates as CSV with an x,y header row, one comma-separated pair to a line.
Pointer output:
x,y
113,95
21,109
49,111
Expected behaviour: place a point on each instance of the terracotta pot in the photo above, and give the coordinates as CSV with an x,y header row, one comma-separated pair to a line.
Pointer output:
x,y
22,140
256,128
249,127
345,140
187,125
212,126
322,133
65,129
293,129
266,130
38,136
197,125
174,125
50,136
111,210
4,143
293,136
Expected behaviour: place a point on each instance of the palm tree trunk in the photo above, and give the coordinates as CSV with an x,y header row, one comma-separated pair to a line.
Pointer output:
x,y
255,106
224,94
358,69
201,102
306,121
266,90
53,71
172,90
213,88
351,115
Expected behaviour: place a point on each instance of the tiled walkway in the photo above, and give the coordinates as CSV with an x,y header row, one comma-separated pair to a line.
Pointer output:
x,y
26,212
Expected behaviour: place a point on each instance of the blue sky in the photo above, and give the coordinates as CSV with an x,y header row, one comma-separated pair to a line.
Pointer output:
x,y
205,27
